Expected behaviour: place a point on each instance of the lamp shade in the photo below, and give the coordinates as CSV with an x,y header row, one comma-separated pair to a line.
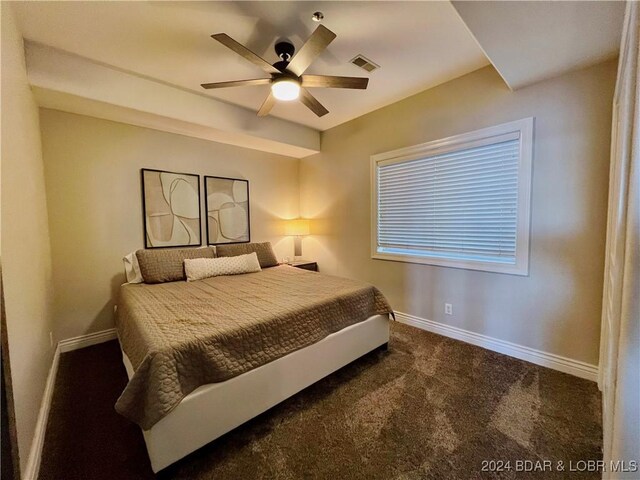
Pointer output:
x,y
297,227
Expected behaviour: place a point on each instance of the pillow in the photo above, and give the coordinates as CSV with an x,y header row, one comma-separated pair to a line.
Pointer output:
x,y
266,257
132,269
167,264
200,268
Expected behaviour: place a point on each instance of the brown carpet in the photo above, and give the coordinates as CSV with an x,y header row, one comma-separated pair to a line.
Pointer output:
x,y
429,407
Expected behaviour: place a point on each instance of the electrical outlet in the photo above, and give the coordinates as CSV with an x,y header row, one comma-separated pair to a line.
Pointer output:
x,y
448,309
51,339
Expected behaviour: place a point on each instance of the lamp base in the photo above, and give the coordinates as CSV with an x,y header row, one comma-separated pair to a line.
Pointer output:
x,y
297,246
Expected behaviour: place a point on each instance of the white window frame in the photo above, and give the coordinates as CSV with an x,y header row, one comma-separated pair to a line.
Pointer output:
x,y
524,128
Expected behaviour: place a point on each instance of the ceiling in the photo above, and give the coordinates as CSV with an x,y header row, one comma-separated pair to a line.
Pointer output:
x,y
535,40
417,44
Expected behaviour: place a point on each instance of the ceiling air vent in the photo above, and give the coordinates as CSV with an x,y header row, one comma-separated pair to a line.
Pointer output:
x,y
364,63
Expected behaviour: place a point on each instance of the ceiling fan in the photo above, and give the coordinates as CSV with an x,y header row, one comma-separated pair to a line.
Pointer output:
x,y
287,80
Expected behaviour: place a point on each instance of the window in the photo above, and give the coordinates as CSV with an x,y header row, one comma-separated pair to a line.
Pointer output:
x,y
458,202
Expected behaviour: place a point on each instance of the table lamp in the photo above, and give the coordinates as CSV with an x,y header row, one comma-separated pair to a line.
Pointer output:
x,y
297,227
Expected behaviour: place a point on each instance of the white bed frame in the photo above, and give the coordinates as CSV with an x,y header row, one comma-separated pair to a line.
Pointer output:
x,y
214,409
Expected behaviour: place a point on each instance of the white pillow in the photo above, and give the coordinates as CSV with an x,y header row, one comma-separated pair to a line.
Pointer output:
x,y
199,268
132,268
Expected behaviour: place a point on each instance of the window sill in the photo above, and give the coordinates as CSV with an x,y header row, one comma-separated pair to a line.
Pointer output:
x,y
521,270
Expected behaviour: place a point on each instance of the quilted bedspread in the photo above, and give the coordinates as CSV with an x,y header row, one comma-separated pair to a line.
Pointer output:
x,y
179,336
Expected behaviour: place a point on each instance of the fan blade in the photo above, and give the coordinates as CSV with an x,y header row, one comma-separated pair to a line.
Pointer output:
x,y
268,104
314,46
237,83
311,103
243,51
334,82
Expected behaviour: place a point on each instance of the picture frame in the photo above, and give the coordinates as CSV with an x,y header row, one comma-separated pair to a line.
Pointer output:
x,y
171,215
227,210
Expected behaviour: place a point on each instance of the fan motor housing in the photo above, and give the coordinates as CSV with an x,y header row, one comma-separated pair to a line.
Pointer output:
x,y
281,65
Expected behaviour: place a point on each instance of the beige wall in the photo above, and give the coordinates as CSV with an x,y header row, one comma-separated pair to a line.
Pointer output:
x,y
557,307
26,263
92,170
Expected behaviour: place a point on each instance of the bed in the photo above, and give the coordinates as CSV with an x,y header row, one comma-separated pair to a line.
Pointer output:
x,y
204,357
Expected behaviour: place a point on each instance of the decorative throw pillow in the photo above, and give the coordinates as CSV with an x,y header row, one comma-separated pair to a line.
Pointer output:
x,y
132,269
266,257
167,264
200,268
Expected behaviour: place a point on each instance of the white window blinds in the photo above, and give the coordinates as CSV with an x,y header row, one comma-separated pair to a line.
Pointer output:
x,y
460,202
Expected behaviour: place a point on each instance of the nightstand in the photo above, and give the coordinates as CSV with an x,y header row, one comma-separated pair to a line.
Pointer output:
x,y
305,265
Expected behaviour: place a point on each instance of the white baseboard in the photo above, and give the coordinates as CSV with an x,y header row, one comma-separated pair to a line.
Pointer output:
x,y
82,341
35,454
33,463
550,360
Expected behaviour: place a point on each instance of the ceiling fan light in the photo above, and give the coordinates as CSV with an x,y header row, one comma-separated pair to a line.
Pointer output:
x,y
285,90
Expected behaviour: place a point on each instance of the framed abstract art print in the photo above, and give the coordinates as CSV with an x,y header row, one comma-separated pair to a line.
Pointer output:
x,y
227,210
171,209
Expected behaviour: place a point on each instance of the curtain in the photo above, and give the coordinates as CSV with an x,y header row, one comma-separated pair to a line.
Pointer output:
x,y
619,377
